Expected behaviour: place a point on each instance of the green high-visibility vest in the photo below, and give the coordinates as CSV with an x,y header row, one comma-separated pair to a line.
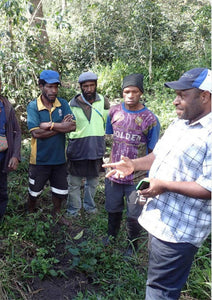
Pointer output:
x,y
94,127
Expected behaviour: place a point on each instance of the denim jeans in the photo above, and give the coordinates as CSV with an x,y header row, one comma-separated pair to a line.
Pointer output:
x,y
169,267
3,190
74,202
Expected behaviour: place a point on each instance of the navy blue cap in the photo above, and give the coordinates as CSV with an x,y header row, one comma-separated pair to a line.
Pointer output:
x,y
87,76
200,78
50,76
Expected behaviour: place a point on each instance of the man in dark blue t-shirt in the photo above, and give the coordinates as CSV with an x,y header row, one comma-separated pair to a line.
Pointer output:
x,y
49,118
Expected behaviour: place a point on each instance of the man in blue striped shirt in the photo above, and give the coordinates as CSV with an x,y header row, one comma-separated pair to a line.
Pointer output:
x,y
177,214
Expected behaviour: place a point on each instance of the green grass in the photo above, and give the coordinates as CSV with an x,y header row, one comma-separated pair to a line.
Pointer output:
x,y
29,243
33,246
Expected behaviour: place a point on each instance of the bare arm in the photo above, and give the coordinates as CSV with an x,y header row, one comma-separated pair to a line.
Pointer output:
x,y
143,163
127,166
189,189
64,127
42,133
67,125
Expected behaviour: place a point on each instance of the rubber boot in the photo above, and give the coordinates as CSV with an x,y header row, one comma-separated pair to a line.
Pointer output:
x,y
133,231
57,202
114,223
31,204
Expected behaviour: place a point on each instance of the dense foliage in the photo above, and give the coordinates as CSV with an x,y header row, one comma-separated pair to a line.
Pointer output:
x,y
161,39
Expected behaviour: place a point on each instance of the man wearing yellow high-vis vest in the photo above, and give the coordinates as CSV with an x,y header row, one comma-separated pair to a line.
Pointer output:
x,y
86,146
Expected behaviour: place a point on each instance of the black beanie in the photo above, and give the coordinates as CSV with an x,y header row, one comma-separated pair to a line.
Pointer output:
x,y
133,80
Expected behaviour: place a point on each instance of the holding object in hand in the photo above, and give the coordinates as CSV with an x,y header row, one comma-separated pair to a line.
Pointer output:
x,y
142,185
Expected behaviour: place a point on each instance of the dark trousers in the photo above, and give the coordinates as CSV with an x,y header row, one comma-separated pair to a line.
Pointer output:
x,y
3,190
169,267
115,194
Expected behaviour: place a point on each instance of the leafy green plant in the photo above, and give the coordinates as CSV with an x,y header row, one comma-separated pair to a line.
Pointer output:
x,y
42,264
110,76
199,281
27,248
108,269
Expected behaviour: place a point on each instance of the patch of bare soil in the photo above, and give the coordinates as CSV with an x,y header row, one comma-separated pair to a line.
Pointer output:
x,y
59,288
65,287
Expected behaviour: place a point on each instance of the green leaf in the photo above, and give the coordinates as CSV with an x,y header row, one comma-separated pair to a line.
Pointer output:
x,y
74,251
79,235
53,273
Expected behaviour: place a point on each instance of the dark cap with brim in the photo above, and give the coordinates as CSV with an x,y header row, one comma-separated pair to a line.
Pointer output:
x,y
133,80
200,78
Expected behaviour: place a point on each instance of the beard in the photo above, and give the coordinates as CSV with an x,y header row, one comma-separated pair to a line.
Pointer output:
x,y
89,96
51,100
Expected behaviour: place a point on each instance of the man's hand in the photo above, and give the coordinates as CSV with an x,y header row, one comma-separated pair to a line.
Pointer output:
x,y
156,187
121,169
13,163
68,118
67,125
188,188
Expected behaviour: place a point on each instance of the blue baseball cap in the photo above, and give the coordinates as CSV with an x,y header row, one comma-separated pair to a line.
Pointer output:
x,y
87,76
50,76
200,78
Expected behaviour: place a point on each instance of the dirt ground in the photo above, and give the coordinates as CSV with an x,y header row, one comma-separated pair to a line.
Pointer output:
x,y
61,288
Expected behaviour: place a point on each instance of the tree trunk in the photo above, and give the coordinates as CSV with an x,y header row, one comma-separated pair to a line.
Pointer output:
x,y
38,22
150,54
150,30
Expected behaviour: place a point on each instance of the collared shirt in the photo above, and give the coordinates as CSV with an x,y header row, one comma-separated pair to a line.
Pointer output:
x,y
48,151
183,154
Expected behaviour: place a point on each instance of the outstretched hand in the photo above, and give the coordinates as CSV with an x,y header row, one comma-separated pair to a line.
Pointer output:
x,y
120,169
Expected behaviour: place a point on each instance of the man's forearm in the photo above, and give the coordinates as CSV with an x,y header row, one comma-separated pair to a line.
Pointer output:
x,y
190,189
64,127
143,163
42,133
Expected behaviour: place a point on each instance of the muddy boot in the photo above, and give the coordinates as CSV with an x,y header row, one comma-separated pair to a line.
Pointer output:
x,y
31,204
114,223
133,231
57,202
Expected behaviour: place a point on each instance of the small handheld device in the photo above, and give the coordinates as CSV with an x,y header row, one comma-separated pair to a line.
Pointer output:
x,y
143,184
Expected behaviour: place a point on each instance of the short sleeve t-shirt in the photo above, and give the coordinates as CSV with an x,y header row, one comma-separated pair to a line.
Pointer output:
x,y
134,132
